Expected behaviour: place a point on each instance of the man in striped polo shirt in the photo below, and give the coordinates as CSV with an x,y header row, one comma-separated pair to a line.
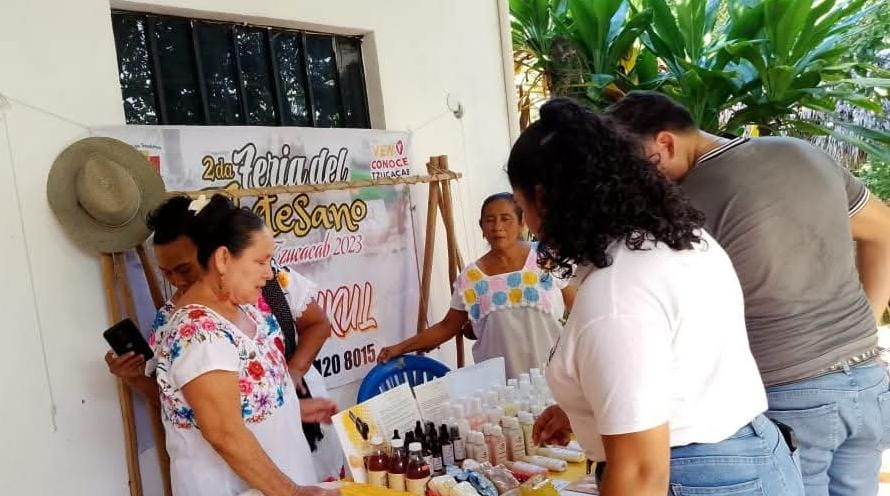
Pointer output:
x,y
788,216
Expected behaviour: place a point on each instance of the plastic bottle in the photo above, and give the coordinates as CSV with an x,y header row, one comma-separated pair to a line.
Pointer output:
x,y
460,447
482,455
527,426
537,410
525,470
495,414
426,452
525,378
447,446
513,436
497,445
377,463
511,402
435,453
548,463
513,382
398,465
573,445
535,372
492,399
525,404
470,444
460,419
476,416
562,454
417,475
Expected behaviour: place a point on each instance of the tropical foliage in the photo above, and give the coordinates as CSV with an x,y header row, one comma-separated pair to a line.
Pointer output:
x,y
765,66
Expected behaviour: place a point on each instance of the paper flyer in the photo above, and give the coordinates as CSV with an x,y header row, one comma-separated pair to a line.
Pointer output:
x,y
462,383
395,409
433,399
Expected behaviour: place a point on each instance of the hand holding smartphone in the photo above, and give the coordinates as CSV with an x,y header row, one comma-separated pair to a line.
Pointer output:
x,y
125,337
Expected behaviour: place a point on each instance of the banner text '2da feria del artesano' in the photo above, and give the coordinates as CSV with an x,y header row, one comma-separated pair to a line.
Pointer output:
x,y
356,245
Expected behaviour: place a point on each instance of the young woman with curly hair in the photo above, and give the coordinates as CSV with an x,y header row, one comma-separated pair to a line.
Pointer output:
x,y
670,396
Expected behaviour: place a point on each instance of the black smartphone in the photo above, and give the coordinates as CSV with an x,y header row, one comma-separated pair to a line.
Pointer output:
x,y
125,337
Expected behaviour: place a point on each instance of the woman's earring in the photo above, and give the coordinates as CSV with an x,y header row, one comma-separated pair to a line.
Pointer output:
x,y
223,288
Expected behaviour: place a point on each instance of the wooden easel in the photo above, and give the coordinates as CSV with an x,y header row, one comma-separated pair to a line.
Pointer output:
x,y
439,200
120,302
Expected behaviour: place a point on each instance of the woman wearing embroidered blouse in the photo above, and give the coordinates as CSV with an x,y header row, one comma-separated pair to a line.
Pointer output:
x,y
652,372
514,307
229,405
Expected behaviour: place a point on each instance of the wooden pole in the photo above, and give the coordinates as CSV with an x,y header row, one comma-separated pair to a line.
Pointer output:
x,y
154,412
455,261
448,214
126,401
318,188
157,296
428,247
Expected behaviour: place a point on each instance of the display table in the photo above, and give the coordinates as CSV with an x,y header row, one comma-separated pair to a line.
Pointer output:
x,y
574,472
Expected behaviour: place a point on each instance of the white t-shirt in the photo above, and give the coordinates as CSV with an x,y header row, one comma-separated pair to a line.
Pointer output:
x,y
658,336
197,340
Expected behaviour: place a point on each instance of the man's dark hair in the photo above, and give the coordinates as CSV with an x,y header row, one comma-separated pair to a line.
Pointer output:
x,y
593,189
170,220
647,113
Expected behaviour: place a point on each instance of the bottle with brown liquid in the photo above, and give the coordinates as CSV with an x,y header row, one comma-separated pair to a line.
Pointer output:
x,y
418,473
446,445
398,465
418,430
378,463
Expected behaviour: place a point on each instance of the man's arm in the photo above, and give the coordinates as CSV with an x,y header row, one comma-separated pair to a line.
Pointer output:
x,y
130,368
313,328
871,230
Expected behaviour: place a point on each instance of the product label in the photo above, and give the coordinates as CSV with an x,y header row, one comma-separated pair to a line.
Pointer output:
x,y
377,478
482,454
448,455
515,446
437,464
417,486
397,482
460,451
529,440
501,447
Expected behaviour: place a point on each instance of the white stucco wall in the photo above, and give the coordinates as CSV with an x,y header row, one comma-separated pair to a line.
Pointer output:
x,y
61,431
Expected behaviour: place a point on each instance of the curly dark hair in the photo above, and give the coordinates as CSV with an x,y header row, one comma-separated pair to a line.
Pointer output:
x,y
592,186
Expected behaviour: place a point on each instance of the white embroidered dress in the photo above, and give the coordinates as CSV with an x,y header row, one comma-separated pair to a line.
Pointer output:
x,y
197,340
515,315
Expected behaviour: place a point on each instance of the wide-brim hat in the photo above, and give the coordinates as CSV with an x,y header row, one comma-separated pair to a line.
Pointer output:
x,y
102,190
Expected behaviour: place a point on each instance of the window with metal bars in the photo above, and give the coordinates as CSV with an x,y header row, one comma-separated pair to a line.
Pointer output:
x,y
182,71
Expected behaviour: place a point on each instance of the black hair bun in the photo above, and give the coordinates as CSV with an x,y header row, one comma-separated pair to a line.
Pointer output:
x,y
209,223
221,223
565,113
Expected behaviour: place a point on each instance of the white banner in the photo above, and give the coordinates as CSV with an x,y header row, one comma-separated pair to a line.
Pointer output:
x,y
356,245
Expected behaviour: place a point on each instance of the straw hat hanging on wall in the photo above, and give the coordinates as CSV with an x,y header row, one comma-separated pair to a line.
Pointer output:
x,y
101,190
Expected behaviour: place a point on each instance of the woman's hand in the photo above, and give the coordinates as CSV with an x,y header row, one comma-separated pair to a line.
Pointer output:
x,y
317,410
390,352
553,427
130,365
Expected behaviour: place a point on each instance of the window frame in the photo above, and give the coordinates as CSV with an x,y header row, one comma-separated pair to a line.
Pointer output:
x,y
153,62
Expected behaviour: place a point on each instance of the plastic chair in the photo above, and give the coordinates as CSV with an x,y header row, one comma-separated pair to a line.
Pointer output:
x,y
407,368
